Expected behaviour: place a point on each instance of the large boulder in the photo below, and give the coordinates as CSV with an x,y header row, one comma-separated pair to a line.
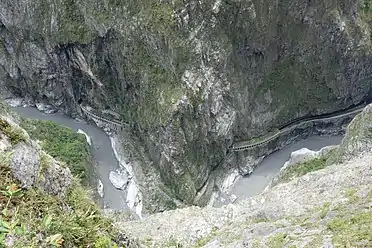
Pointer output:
x,y
29,164
25,164
358,136
33,167
119,180
54,178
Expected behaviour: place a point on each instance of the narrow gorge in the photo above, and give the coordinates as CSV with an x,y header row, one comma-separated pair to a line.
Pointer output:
x,y
190,98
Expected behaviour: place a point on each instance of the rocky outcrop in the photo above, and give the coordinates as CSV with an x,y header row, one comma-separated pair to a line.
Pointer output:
x,y
54,177
358,136
189,78
297,157
306,154
29,164
25,164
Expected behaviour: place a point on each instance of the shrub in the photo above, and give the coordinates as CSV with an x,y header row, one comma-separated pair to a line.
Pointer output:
x,y
63,144
36,219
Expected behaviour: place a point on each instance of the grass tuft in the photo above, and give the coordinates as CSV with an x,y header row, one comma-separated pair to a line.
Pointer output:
x,y
277,241
36,219
352,231
16,135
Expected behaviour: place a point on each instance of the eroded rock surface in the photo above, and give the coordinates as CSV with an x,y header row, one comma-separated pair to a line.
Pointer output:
x,y
29,164
307,154
323,208
54,177
119,180
188,77
25,164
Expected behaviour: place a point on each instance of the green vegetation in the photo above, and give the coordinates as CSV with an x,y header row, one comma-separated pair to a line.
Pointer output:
x,y
203,241
350,194
283,80
367,5
34,219
63,144
259,219
4,108
16,135
324,210
159,85
158,60
277,241
305,167
352,231
173,243
72,26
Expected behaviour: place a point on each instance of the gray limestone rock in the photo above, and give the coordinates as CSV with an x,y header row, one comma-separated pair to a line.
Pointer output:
x,y
14,102
118,179
299,156
100,188
297,213
304,154
46,108
358,135
224,71
32,167
54,177
25,164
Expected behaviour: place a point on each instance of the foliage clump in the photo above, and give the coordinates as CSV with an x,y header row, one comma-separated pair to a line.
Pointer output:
x,y
352,231
16,135
61,143
305,167
278,240
31,218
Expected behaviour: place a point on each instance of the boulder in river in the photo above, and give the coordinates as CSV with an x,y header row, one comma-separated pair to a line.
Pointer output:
x,y
118,179
46,108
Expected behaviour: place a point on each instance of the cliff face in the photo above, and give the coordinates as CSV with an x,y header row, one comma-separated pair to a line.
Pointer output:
x,y
313,205
189,78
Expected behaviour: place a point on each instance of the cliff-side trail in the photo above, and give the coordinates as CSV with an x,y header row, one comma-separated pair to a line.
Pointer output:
x,y
331,206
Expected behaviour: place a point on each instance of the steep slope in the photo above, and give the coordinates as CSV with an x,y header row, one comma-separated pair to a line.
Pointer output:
x,y
189,77
331,206
42,204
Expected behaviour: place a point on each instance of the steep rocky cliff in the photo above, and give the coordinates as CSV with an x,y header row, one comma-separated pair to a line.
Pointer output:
x,y
322,206
189,77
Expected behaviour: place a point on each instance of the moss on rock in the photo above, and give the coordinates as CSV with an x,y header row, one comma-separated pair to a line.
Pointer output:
x,y
15,134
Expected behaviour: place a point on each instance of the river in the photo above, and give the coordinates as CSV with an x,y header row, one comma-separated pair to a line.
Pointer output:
x,y
101,151
255,183
115,199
